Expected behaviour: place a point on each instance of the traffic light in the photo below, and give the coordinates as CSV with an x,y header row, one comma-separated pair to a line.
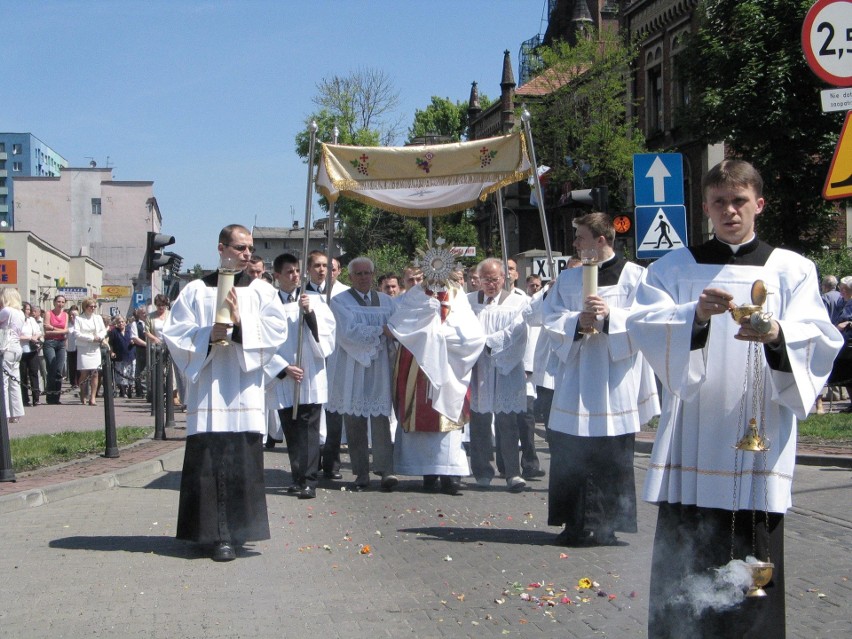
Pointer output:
x,y
597,198
174,262
154,259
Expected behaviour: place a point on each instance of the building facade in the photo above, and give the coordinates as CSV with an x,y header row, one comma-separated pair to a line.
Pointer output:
x,y
85,213
23,155
39,270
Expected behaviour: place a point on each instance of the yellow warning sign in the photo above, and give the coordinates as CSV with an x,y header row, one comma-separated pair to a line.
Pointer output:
x,y
838,184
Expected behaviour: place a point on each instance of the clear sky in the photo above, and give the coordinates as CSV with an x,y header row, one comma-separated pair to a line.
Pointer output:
x,y
206,97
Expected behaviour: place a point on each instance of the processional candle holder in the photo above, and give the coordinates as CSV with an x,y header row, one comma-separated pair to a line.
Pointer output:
x,y
225,282
754,440
589,260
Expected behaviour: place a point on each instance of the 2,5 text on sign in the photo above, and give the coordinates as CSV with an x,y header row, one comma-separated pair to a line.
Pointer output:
x,y
827,41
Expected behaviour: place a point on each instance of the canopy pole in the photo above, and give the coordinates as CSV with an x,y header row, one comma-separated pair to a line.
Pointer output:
x,y
330,242
430,229
309,200
525,118
502,226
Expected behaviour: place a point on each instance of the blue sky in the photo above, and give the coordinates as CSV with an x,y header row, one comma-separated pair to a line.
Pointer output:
x,y
206,97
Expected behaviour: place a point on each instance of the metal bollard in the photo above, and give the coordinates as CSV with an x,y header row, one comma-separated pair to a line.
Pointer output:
x,y
170,387
7,473
111,447
158,393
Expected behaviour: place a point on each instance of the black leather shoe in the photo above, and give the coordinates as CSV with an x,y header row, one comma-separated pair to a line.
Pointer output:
x,y
358,488
430,483
572,539
332,474
450,485
389,482
307,493
224,552
294,488
532,474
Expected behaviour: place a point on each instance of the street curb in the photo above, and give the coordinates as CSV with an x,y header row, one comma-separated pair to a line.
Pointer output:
x,y
57,492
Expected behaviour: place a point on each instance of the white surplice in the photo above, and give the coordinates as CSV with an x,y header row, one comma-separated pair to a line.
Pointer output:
x,y
225,384
704,414
543,362
499,380
360,367
313,389
599,390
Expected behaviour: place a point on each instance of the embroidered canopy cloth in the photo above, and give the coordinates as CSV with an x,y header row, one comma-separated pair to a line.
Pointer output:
x,y
423,180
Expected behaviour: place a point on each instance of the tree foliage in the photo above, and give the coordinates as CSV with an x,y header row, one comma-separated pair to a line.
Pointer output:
x,y
750,86
443,117
581,127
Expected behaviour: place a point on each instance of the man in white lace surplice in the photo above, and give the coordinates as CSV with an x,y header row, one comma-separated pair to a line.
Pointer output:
x,y
361,374
498,387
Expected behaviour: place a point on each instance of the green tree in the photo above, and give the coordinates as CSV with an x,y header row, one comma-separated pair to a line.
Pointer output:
x,y
443,117
750,86
581,127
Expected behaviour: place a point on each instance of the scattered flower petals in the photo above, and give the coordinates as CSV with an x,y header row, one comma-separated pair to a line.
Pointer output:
x,y
611,597
365,549
566,600
534,584
563,555
499,601
448,558
525,596
584,583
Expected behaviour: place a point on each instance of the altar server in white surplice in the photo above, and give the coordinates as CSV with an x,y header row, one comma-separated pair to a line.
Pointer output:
x,y
222,495
361,374
599,401
704,485
440,340
302,432
498,387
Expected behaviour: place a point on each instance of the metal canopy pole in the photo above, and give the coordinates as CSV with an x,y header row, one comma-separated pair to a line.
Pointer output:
x,y
330,245
309,200
525,118
502,226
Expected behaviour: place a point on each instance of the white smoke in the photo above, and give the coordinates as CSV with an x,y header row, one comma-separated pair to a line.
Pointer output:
x,y
723,589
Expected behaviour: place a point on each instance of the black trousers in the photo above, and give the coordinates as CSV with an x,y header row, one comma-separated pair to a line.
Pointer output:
x,y
330,454
29,377
222,490
302,437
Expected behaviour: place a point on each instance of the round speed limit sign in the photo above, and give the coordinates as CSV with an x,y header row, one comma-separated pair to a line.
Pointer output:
x,y
827,41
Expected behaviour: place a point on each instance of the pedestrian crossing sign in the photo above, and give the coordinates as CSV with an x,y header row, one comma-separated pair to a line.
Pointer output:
x,y
659,229
838,184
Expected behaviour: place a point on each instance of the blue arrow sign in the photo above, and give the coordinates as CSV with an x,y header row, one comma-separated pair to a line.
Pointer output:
x,y
659,229
657,179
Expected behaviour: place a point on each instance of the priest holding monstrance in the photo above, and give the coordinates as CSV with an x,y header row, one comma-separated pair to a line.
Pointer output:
x,y
721,469
441,340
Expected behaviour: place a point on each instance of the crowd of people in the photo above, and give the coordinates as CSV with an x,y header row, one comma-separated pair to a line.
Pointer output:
x,y
43,350
441,374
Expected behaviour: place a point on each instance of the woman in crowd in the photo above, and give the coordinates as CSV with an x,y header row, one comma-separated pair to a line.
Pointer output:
x,y
158,319
30,345
71,346
11,322
55,334
123,355
90,332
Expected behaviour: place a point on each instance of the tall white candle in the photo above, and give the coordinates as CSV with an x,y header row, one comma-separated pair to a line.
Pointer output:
x,y
590,280
224,286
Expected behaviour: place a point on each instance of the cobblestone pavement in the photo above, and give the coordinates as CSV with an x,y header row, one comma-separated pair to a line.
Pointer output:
x,y
350,565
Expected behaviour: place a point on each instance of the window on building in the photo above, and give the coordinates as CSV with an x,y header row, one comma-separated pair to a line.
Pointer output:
x,y
17,166
654,90
2,147
17,149
96,206
680,90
